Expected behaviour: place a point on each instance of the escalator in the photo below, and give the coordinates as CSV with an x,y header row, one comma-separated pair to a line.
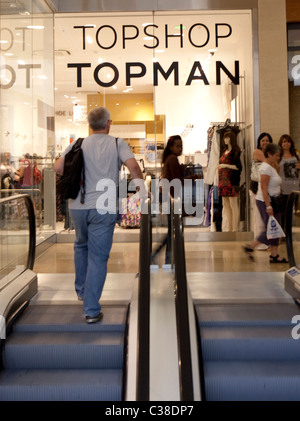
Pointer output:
x,y
52,354
163,345
246,345
249,353
248,349
48,352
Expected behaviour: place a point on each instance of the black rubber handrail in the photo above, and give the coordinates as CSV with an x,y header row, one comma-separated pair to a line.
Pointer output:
x,y
182,311
143,318
32,231
288,226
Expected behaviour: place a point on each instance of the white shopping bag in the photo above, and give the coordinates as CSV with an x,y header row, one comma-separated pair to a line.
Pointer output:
x,y
274,229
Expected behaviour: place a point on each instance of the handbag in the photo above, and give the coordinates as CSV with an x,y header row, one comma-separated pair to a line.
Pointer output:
x,y
253,186
274,229
254,176
278,203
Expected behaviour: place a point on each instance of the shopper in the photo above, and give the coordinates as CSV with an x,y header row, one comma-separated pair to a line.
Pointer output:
x,y
289,170
172,170
264,139
94,225
269,186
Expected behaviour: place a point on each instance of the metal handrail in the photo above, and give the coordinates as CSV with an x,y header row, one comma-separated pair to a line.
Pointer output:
x,y
182,311
288,226
32,229
143,318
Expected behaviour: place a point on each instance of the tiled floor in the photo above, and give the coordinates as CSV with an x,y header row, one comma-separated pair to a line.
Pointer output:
x,y
216,272
223,256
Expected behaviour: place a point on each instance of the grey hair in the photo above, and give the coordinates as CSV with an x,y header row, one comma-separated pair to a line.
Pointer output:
x,y
272,149
98,118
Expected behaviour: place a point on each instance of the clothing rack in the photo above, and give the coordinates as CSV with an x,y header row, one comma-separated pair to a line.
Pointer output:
x,y
230,124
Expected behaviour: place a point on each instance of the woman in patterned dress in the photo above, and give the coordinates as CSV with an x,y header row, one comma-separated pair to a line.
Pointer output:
x,y
229,170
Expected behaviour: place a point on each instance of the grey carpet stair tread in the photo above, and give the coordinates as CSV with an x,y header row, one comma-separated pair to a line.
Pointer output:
x,y
70,318
77,385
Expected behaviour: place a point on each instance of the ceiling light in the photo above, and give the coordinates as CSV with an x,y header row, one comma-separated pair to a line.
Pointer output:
x,y
35,27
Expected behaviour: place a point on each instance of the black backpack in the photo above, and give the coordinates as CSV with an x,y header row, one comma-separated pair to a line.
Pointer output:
x,y
73,179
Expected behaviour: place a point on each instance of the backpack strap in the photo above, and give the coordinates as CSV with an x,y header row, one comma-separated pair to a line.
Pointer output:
x,y
82,187
119,161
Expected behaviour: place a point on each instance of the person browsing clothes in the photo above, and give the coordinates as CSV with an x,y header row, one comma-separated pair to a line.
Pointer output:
x,y
94,225
269,186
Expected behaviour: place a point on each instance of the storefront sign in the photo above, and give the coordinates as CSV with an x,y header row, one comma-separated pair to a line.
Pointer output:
x,y
138,70
196,36
135,70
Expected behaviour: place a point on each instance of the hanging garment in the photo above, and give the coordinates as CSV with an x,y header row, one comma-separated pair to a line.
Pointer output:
x,y
213,160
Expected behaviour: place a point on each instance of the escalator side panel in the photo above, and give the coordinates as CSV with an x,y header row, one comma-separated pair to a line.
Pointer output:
x,y
14,295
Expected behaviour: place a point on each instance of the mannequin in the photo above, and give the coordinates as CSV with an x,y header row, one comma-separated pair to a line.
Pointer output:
x,y
229,170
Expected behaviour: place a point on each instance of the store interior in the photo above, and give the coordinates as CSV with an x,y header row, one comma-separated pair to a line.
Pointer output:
x,y
159,74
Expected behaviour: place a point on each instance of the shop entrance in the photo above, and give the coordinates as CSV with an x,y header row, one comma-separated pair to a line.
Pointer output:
x,y
161,74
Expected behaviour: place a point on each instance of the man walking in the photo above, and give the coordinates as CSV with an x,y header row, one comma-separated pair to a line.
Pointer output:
x,y
94,225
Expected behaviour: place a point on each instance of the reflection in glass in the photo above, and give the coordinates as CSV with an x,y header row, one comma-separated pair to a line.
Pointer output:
x,y
27,104
14,236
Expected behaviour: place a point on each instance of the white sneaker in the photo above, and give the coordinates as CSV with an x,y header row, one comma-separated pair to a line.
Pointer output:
x,y
262,247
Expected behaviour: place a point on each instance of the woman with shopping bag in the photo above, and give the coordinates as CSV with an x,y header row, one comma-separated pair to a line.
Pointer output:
x,y
268,202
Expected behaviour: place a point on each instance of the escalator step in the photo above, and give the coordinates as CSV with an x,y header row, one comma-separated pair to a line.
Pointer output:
x,y
61,385
246,314
69,318
251,343
64,350
252,381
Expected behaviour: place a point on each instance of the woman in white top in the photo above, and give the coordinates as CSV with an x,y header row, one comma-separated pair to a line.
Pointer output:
x,y
269,186
264,139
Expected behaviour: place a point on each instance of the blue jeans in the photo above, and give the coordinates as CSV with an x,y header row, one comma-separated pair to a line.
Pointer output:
x,y
94,235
